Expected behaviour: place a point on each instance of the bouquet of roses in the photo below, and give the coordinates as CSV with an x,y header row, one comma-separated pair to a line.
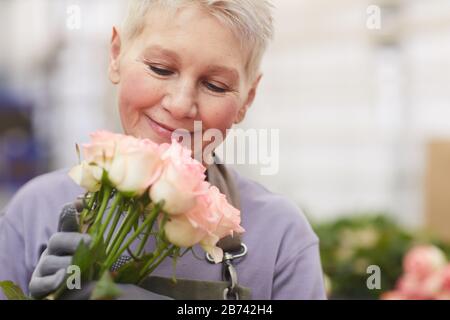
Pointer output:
x,y
136,190
426,276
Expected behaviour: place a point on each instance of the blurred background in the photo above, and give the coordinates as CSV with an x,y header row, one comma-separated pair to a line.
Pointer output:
x,y
359,89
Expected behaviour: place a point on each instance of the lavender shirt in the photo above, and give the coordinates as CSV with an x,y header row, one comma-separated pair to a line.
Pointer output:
x,y
283,259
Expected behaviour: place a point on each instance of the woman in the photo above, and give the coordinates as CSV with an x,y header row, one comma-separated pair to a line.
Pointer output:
x,y
175,63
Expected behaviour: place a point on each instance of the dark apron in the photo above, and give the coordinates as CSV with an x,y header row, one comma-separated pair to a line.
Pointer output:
x,y
185,289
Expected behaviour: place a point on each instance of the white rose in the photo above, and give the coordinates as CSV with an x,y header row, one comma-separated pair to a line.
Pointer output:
x,y
87,176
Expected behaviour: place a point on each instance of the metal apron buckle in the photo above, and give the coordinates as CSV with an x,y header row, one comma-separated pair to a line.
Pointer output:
x,y
229,273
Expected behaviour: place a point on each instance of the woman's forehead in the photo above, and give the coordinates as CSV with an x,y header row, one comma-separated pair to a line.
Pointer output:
x,y
191,33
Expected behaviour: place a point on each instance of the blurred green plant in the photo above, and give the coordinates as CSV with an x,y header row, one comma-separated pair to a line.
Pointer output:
x,y
349,245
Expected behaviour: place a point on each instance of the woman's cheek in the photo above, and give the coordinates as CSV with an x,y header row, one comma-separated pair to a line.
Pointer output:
x,y
138,92
221,115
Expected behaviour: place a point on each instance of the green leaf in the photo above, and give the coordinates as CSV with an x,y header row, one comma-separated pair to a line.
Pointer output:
x,y
99,255
84,260
12,291
105,289
136,225
89,259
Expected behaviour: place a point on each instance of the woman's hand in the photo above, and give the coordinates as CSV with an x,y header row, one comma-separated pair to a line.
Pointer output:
x,y
51,269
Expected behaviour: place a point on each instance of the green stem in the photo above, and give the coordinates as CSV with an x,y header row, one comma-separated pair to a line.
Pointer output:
x,y
152,259
160,258
122,225
147,222
114,224
86,210
112,210
153,215
105,198
142,244
122,234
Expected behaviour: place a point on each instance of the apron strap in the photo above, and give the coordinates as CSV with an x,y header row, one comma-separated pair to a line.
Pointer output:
x,y
232,246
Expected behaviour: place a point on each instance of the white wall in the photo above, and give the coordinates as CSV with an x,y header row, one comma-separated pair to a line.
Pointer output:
x,y
355,117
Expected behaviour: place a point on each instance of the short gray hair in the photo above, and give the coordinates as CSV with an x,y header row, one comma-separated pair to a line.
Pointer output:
x,y
250,20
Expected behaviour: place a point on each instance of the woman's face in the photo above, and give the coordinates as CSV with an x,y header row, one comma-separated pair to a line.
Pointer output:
x,y
180,69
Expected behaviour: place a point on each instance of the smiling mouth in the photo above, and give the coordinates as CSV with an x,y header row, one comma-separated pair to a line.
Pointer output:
x,y
162,130
164,127
167,128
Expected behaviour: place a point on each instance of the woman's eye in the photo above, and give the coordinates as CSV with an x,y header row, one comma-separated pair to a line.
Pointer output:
x,y
215,88
161,71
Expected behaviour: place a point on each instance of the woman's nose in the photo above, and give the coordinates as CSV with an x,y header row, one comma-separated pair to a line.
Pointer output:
x,y
180,101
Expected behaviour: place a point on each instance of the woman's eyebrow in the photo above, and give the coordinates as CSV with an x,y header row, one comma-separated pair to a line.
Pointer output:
x,y
233,73
218,69
158,49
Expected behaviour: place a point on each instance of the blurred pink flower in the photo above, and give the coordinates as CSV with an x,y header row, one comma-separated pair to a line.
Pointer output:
x,y
423,261
426,276
445,278
393,295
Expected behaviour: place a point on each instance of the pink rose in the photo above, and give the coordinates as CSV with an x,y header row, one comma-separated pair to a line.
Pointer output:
x,y
181,232
230,216
135,166
211,219
186,230
102,148
222,220
181,181
423,260
209,244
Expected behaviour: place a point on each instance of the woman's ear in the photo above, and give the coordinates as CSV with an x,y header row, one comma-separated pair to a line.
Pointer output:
x,y
250,98
114,59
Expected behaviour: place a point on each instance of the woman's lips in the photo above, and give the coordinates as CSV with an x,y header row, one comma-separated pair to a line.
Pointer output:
x,y
160,129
